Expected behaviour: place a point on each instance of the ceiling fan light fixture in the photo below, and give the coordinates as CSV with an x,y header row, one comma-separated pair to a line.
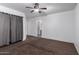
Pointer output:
x,y
36,10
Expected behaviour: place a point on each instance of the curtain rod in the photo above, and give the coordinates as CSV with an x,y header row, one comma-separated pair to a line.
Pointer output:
x,y
10,14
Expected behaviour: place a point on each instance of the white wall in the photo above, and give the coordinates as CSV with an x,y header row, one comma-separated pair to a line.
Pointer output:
x,y
12,11
76,42
59,26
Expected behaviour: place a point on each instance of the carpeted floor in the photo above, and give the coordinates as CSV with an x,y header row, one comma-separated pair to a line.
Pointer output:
x,y
39,46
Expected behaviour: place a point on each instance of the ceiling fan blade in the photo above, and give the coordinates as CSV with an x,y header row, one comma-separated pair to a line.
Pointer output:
x,y
43,8
32,11
29,7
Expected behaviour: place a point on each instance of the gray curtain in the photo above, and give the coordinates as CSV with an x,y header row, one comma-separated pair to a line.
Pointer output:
x,y
4,29
11,29
19,28
16,28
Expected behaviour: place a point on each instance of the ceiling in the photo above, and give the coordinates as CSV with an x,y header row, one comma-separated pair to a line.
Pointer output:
x,y
51,8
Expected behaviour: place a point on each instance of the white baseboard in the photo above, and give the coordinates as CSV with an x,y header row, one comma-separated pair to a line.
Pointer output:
x,y
76,43
58,39
52,38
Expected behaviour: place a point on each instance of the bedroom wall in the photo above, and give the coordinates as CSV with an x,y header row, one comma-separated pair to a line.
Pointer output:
x,y
58,26
12,11
76,42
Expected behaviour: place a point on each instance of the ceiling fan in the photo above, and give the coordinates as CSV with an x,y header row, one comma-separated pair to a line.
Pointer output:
x,y
36,8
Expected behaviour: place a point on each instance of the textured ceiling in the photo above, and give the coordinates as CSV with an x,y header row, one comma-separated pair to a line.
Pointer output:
x,y
51,8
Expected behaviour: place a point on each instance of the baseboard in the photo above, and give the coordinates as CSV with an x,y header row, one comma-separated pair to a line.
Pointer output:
x,y
24,38
57,39
76,43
